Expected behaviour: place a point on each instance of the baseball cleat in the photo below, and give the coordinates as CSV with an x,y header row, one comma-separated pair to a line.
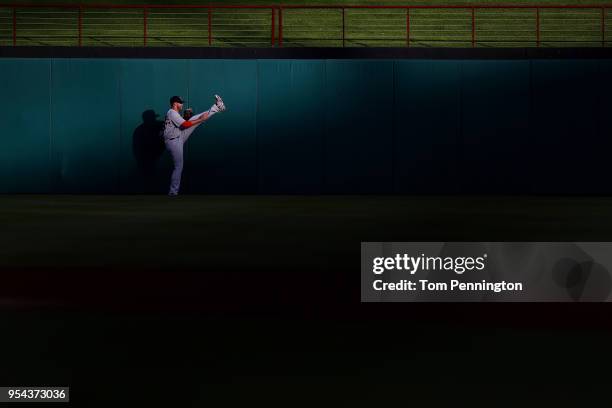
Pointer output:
x,y
219,103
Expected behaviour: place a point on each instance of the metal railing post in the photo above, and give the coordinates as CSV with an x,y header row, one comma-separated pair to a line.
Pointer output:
x,y
145,12
538,26
408,27
473,28
209,26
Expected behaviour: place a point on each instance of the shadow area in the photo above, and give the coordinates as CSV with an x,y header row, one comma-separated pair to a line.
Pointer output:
x,y
148,147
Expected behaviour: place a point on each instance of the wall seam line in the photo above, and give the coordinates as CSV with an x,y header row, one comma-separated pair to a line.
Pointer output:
x,y
324,132
118,187
50,178
393,131
257,173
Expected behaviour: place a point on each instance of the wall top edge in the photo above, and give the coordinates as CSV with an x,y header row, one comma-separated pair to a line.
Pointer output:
x,y
305,53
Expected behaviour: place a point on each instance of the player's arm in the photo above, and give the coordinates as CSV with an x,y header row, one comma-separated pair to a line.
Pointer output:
x,y
177,120
192,122
183,124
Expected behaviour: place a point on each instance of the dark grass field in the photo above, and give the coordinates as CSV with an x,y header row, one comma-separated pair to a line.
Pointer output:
x,y
146,301
237,253
270,233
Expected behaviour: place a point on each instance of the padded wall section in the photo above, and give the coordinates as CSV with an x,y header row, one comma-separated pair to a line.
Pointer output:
x,y
24,137
359,126
85,126
221,155
604,135
566,100
309,126
291,126
495,150
427,119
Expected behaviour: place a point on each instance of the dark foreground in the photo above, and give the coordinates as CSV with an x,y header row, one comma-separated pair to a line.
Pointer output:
x,y
227,301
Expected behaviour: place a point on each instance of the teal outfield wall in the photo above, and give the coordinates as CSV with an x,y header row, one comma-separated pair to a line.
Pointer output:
x,y
309,126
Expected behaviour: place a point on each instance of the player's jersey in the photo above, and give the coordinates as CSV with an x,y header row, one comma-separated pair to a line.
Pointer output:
x,y
172,125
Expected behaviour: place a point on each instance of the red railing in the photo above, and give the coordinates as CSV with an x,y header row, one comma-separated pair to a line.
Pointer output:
x,y
463,25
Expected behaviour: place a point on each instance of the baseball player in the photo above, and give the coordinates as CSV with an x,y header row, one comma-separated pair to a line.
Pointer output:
x,y
176,132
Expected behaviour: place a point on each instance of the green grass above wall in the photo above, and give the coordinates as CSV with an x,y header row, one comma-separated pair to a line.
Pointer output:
x,y
47,26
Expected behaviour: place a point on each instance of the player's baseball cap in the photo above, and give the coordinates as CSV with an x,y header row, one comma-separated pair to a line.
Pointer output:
x,y
176,99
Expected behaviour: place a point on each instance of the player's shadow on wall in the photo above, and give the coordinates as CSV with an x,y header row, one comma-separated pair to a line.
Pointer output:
x,y
148,147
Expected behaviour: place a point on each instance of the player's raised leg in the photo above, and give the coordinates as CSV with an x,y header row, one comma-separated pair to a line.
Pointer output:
x,y
187,132
218,106
219,103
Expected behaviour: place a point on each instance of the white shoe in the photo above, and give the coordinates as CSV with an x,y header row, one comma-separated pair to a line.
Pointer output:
x,y
219,103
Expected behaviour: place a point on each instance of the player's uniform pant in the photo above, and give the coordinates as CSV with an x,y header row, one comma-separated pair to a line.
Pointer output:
x,y
175,147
